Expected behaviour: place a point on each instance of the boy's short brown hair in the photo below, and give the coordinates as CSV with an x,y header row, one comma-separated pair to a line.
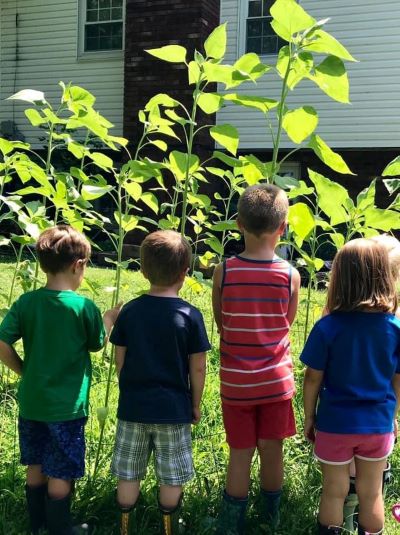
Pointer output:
x,y
164,256
59,247
262,209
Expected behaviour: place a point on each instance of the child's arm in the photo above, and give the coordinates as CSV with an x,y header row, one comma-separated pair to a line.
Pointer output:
x,y
216,295
294,296
311,387
120,353
396,388
10,358
197,375
110,317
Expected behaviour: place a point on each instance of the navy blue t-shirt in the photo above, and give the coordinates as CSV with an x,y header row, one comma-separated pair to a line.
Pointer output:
x,y
359,353
160,334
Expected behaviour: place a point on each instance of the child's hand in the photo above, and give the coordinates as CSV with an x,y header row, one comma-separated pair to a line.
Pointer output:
x,y
196,415
112,313
309,429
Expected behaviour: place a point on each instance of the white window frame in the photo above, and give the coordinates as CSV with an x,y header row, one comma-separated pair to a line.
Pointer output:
x,y
242,28
82,54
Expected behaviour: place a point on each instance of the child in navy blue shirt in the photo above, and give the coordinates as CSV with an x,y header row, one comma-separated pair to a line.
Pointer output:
x,y
353,372
160,354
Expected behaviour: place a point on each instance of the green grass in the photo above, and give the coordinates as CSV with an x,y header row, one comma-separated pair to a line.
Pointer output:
x,y
94,498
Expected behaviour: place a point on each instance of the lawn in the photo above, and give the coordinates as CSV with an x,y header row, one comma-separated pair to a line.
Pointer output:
x,y
94,498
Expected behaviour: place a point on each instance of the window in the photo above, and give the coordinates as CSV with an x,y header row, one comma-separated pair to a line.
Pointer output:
x,y
260,37
103,25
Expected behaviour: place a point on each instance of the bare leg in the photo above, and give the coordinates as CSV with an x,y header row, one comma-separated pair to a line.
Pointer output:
x,y
34,476
371,514
127,493
58,488
335,487
170,496
238,474
271,464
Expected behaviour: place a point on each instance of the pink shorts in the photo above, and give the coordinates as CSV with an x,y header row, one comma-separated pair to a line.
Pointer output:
x,y
246,424
335,448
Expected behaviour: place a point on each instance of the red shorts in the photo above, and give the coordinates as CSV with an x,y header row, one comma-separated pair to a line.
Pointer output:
x,y
334,448
245,425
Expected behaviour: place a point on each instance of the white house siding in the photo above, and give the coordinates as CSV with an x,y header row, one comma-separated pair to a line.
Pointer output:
x,y
43,50
370,31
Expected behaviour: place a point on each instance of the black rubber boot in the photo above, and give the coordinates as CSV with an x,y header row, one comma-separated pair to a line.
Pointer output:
x,y
36,503
59,520
329,530
170,518
232,516
270,501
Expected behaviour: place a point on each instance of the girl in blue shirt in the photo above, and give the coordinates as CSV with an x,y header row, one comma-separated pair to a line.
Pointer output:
x,y
353,372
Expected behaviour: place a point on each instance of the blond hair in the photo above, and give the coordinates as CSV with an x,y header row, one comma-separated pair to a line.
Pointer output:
x,y
262,209
59,247
361,279
392,245
164,257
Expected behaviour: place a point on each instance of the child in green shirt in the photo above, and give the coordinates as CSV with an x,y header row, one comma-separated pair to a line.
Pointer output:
x,y
58,329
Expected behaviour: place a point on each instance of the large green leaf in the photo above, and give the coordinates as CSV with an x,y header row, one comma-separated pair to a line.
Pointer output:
x,y
366,198
260,103
392,185
134,189
170,53
215,44
326,155
218,73
150,200
301,221
210,102
380,219
179,164
289,18
331,77
161,99
300,67
248,67
393,168
90,191
101,160
76,95
325,43
332,197
300,123
34,117
128,222
29,95
227,136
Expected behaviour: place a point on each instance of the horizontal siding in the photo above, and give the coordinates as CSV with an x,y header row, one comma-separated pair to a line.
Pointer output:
x,y
42,52
369,29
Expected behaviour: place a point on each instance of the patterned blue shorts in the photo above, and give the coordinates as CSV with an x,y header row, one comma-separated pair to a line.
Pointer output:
x,y
58,446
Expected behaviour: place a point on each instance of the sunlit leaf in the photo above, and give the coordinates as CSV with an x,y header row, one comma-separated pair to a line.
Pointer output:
x,y
331,77
210,102
150,200
325,43
332,197
289,18
29,95
215,44
393,168
170,53
301,221
328,156
260,103
227,136
300,123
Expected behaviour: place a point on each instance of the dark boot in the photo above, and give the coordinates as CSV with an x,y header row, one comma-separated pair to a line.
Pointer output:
x,y
170,518
270,501
329,530
232,516
361,531
350,507
59,520
36,502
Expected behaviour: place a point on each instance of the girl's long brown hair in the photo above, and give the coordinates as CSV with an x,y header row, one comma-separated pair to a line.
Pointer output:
x,y
361,279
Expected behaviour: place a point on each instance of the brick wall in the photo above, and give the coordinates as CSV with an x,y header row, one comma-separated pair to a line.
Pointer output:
x,y
152,24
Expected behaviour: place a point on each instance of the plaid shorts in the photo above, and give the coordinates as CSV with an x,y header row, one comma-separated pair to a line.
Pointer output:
x,y
172,447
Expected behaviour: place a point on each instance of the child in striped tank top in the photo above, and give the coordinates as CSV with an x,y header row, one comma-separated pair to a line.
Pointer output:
x,y
255,298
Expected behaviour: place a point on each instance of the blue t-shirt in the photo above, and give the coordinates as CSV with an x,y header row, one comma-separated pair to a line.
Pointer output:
x,y
359,353
160,334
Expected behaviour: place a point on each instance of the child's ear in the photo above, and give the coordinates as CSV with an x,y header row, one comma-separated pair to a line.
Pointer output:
x,y
79,265
239,225
282,228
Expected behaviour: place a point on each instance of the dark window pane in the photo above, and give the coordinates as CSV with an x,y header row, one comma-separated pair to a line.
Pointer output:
x,y
92,44
104,14
116,3
255,8
92,4
267,6
266,27
254,28
116,14
103,4
92,15
116,42
104,30
106,43
269,45
254,45
92,31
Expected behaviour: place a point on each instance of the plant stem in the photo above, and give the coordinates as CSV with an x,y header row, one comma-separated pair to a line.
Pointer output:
x,y
11,294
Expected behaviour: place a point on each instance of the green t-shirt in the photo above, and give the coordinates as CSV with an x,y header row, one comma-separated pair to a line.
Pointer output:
x,y
58,329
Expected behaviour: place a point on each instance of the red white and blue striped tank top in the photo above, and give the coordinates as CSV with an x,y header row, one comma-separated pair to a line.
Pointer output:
x,y
256,366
